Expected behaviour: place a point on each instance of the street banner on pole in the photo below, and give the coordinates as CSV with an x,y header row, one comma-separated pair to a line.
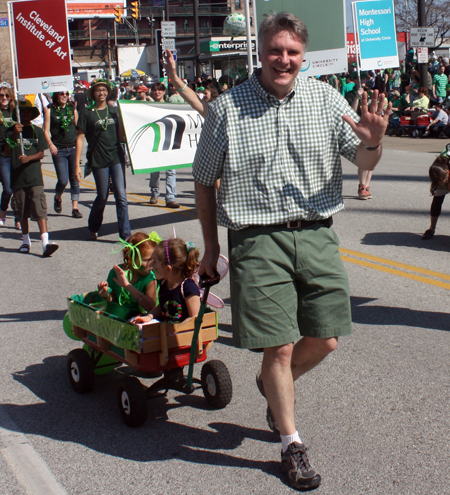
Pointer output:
x,y
376,34
160,136
325,21
42,49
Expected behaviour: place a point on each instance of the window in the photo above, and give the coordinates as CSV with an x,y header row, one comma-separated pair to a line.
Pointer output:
x,y
237,4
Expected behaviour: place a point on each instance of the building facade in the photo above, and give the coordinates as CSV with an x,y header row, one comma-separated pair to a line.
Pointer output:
x,y
98,42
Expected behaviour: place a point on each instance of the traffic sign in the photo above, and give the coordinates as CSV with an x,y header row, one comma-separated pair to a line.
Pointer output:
x,y
422,55
168,29
422,36
168,44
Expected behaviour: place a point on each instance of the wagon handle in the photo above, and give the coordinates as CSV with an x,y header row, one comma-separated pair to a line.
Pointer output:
x,y
205,283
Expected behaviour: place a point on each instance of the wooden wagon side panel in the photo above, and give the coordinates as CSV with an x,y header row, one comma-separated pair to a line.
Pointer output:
x,y
123,335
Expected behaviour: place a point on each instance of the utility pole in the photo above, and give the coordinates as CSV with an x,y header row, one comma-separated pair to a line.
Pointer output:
x,y
422,23
198,67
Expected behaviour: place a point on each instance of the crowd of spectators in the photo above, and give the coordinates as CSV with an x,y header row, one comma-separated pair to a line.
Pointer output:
x,y
409,97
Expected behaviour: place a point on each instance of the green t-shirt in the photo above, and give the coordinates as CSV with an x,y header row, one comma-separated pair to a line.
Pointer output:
x,y
60,137
397,107
102,143
440,81
332,81
176,99
124,298
404,102
27,174
422,103
347,88
6,121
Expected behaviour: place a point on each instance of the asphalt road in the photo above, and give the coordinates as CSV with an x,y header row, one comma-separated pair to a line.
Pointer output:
x,y
374,414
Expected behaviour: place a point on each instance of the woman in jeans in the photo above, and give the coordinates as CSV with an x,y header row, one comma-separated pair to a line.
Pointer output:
x,y
102,128
60,132
6,108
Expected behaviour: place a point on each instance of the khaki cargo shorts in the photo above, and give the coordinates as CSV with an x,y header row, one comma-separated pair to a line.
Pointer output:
x,y
29,202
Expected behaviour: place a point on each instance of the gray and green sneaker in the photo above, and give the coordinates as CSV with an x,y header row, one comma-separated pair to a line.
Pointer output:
x,y
296,465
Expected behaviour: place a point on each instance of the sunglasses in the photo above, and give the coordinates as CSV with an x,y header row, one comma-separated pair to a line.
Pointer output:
x,y
4,96
64,94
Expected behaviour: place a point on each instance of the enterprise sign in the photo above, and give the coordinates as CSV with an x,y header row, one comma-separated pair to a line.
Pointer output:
x,y
225,46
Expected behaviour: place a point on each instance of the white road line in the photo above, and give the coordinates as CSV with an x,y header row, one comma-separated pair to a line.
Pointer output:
x,y
28,466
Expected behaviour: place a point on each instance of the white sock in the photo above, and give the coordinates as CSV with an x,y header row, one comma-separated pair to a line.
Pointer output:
x,y
26,239
286,440
44,238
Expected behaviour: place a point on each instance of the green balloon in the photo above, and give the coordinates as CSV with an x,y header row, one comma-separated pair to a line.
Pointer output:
x,y
105,364
67,326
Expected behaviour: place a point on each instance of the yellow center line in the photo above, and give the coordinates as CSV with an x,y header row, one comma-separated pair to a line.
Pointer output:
x,y
355,257
396,264
392,271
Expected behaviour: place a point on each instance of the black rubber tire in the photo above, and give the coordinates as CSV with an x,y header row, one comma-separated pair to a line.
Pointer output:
x,y
81,371
415,133
132,401
399,132
216,384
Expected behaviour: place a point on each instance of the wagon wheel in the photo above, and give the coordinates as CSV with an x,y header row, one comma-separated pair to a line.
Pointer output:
x,y
81,371
132,401
216,384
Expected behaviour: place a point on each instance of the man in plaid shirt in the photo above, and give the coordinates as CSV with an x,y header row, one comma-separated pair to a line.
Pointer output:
x,y
275,143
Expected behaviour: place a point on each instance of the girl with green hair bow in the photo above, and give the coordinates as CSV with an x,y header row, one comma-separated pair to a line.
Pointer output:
x,y
133,283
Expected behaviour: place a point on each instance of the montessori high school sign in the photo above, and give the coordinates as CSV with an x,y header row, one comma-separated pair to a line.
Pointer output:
x,y
376,34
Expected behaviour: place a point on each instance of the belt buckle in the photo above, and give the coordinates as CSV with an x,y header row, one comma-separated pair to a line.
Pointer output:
x,y
293,224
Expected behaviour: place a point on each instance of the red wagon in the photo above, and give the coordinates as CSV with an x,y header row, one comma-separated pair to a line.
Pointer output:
x,y
154,350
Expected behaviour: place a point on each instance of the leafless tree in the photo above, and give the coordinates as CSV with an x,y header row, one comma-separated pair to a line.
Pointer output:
x,y
437,15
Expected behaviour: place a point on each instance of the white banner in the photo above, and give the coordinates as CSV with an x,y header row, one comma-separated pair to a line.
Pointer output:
x,y
160,136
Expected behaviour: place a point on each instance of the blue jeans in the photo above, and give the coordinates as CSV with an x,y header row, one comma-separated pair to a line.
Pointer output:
x,y
101,177
171,185
440,126
5,178
64,163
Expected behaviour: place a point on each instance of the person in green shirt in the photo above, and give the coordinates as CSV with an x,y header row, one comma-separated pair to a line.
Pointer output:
x,y
6,121
348,87
133,284
101,126
334,82
27,183
60,119
420,104
440,82
397,104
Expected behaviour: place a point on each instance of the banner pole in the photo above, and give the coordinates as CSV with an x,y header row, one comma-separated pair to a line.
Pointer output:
x,y
14,71
356,35
249,38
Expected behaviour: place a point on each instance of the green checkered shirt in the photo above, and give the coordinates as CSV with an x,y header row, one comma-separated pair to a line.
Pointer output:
x,y
277,160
